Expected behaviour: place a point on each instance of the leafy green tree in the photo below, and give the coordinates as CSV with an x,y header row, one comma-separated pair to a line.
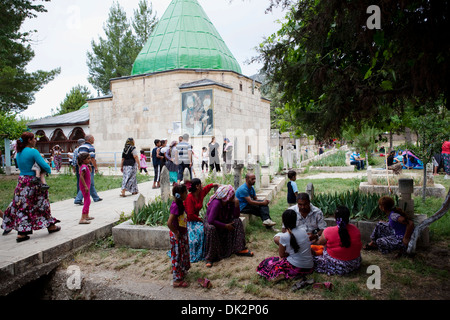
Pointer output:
x,y
11,126
75,99
333,70
364,139
433,126
113,57
17,86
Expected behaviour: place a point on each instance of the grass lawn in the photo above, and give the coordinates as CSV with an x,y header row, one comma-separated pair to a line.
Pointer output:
x,y
62,186
425,276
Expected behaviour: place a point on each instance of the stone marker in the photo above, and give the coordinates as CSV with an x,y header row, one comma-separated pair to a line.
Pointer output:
x,y
186,175
406,203
237,166
165,184
139,203
310,191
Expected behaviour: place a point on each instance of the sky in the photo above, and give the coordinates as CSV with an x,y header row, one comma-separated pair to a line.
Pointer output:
x,y
65,31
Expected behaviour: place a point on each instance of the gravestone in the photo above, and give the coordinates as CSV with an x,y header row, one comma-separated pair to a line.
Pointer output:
x,y
406,203
310,191
139,203
186,175
265,179
165,184
237,166
257,171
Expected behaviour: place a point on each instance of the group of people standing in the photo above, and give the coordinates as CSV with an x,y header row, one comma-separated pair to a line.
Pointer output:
x,y
179,155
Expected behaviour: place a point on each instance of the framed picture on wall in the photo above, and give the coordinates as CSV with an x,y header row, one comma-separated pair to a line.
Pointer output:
x,y
197,113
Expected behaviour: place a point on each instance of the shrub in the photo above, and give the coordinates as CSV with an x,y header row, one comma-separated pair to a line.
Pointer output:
x,y
155,213
334,160
362,206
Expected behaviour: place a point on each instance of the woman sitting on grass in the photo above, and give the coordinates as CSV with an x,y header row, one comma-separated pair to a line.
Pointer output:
x,y
394,234
224,231
342,252
295,258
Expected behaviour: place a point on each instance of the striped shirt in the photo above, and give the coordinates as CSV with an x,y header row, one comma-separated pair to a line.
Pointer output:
x,y
354,156
183,149
87,148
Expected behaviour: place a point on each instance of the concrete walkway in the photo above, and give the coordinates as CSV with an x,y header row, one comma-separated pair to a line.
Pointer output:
x,y
23,262
20,262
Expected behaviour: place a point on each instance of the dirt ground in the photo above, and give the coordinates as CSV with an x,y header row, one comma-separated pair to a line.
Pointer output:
x,y
123,273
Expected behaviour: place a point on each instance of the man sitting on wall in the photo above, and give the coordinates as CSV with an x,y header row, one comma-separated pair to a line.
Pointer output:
x,y
355,159
249,204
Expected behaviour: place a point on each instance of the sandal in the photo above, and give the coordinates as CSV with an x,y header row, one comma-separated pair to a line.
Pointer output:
x,y
205,283
122,195
302,284
245,253
324,285
181,284
209,264
21,239
89,218
54,230
84,221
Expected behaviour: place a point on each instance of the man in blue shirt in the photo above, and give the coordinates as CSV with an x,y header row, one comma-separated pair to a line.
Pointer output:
x,y
355,159
249,204
89,148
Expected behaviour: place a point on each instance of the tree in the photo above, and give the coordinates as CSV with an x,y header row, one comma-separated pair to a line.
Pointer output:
x,y
10,126
17,86
432,125
144,22
114,56
337,71
364,139
75,99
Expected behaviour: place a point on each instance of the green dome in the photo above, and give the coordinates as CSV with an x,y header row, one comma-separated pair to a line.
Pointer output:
x,y
184,38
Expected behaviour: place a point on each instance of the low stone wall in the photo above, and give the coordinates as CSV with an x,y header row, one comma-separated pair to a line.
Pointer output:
x,y
333,169
146,237
438,190
366,228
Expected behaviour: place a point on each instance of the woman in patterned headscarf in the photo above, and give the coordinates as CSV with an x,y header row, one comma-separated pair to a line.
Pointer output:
x,y
224,230
130,165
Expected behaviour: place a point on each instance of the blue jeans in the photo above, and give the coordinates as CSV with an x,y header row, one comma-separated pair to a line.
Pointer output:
x,y
93,192
181,168
359,164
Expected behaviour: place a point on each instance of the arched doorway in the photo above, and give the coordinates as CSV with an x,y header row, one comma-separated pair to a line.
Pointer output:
x,y
77,133
42,145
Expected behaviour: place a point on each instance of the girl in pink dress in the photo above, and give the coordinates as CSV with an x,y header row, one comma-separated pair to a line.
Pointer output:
x,y
85,182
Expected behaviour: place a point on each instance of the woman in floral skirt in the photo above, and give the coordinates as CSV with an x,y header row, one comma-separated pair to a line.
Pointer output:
x,y
30,207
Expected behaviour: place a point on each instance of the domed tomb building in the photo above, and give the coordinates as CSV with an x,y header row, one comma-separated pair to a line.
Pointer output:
x,y
184,80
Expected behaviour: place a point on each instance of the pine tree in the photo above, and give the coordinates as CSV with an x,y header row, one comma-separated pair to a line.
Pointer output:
x,y
113,57
17,86
75,99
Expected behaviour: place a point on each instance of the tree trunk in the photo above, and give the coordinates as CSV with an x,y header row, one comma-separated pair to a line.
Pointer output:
x,y
424,184
408,135
391,142
418,229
